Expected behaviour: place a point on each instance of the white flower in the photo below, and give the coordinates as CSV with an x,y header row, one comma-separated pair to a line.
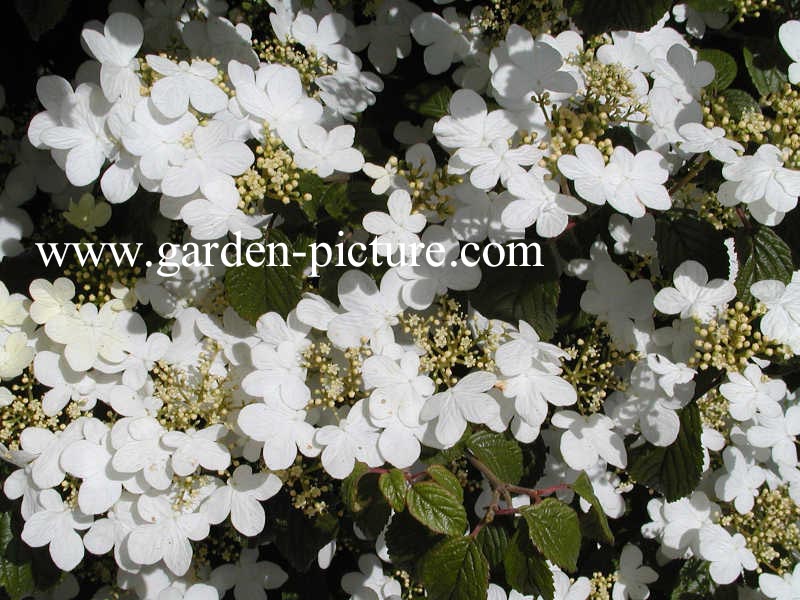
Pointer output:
x,y
386,177
469,125
698,138
194,449
15,355
540,202
629,183
275,94
388,35
370,583
694,295
780,588
618,301
752,392
789,36
467,401
216,213
116,48
397,229
778,434
632,576
353,438
56,525
90,460
566,588
696,21
87,215
249,577
185,83
87,334
212,154
139,451
636,235
75,123
682,521
586,440
533,67
443,35
166,534
782,321
420,284
282,430
241,498
762,176
727,554
496,161
682,74
669,373
740,482
155,139
324,151
478,214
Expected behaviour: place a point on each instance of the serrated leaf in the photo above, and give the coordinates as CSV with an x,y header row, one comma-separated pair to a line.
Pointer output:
x,y
16,577
407,539
583,487
555,530
526,569
767,257
601,16
455,569
393,487
688,238
724,67
740,102
766,79
436,508
447,480
330,195
493,541
349,489
673,471
501,455
253,291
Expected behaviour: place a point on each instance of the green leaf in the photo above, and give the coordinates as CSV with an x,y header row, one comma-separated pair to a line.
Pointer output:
x,y
724,67
601,16
253,291
673,471
447,480
555,530
349,489
501,455
493,541
436,105
16,576
455,569
40,16
766,79
526,569
435,507
768,257
583,487
332,196
407,539
393,487
740,102
693,581
688,238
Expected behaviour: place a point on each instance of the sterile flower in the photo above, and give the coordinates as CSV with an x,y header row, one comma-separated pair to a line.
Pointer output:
x,y
586,440
443,37
780,588
694,295
56,525
778,434
353,438
324,151
782,321
87,215
467,401
397,229
282,430
116,48
540,202
632,576
789,36
698,138
728,554
762,176
216,213
752,392
741,480
249,577
324,37
194,449
183,83
241,498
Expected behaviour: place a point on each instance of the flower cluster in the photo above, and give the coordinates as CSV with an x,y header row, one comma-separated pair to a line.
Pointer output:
x,y
230,429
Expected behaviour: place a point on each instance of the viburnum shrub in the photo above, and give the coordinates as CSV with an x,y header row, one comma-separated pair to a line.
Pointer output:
x,y
615,417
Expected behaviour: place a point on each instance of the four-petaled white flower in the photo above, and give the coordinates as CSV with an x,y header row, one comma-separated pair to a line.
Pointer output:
x,y
728,554
398,229
741,480
56,525
632,577
183,83
751,392
587,440
324,151
694,295
241,498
